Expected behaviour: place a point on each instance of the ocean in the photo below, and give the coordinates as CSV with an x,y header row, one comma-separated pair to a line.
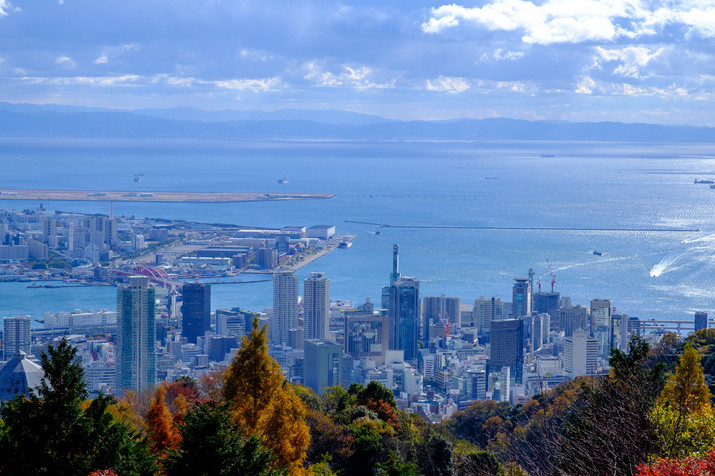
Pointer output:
x,y
649,274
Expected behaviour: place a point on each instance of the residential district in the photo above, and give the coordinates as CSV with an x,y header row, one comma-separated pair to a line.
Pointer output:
x,y
437,353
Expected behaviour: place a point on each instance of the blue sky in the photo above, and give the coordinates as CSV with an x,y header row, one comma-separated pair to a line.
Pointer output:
x,y
592,60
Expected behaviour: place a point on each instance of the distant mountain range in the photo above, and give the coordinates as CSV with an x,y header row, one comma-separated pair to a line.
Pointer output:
x,y
27,120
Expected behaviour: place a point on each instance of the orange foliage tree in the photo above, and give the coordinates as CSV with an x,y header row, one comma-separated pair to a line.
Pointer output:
x,y
163,433
265,404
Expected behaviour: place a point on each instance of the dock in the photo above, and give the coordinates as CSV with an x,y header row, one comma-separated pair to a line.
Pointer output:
x,y
156,196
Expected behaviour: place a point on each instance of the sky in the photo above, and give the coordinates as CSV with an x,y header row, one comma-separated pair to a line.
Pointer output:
x,y
574,60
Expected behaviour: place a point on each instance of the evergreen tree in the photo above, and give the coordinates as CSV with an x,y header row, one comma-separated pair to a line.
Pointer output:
x,y
52,433
212,444
264,404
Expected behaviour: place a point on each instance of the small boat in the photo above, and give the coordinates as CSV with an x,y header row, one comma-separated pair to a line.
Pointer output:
x,y
377,232
545,156
705,181
138,177
283,180
345,244
597,253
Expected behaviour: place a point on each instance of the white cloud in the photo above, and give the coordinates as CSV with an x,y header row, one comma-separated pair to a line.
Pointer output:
x,y
255,55
632,59
255,85
356,77
576,21
585,85
66,62
447,85
103,81
513,86
6,8
102,60
114,51
589,86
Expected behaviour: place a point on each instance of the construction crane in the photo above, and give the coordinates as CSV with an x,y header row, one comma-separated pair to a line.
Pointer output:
x,y
553,276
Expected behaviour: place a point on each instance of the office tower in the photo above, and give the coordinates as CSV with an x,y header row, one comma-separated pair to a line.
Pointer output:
x,y
16,336
539,330
217,347
394,276
323,364
620,333
316,306
436,309
285,307
195,311
580,354
574,317
601,310
485,311
507,346
521,298
135,351
404,313
701,320
548,303
476,384
233,322
366,335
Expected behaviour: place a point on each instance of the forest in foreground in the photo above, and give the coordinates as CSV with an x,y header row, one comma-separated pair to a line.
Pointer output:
x,y
651,415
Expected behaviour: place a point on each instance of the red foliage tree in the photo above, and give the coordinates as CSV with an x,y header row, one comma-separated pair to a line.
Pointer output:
x,y
692,466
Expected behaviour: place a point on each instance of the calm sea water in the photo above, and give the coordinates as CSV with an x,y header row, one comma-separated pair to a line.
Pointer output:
x,y
586,185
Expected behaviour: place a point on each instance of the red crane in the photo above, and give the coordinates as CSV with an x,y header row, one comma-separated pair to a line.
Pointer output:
x,y
553,276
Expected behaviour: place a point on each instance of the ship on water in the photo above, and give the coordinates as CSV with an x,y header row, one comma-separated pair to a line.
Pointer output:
x,y
283,180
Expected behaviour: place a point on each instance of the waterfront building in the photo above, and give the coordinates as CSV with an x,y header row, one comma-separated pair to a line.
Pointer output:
x,y
136,335
323,364
394,276
521,298
404,314
195,311
316,306
16,336
580,354
485,311
507,346
285,307
701,320
438,309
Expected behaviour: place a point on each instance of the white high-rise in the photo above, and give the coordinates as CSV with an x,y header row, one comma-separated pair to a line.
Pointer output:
x,y
316,305
580,354
16,336
136,335
285,307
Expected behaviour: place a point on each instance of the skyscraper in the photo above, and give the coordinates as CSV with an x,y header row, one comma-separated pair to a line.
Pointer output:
x,y
521,298
601,310
580,354
136,335
507,346
195,311
316,305
366,335
485,311
436,308
285,307
404,314
394,276
16,336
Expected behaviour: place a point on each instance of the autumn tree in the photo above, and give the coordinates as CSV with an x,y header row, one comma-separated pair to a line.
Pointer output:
x,y
163,433
683,418
264,404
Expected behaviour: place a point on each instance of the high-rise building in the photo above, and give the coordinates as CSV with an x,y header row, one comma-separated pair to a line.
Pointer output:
x,y
16,336
580,354
404,314
548,303
476,384
323,364
366,335
573,317
49,231
435,309
521,298
507,346
394,276
233,322
601,322
136,335
316,306
485,311
285,307
701,320
195,311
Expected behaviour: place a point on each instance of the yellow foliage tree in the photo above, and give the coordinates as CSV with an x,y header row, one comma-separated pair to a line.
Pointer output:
x,y
265,404
683,416
163,434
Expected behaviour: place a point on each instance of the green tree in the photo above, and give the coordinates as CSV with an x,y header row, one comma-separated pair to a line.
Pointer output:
x,y
212,444
264,404
55,432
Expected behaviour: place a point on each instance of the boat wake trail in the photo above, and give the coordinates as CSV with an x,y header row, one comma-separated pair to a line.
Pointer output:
x,y
660,268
